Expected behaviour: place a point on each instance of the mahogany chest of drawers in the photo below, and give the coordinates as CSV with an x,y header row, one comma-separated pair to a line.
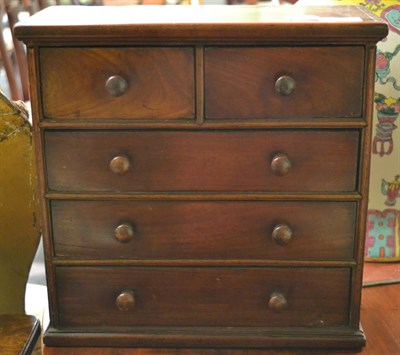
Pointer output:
x,y
204,173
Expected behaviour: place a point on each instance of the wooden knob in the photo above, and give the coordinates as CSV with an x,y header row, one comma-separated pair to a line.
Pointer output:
x,y
116,85
285,85
120,165
124,232
277,302
280,164
125,301
282,234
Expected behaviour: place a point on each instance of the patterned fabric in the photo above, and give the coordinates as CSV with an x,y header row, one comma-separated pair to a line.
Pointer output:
x,y
383,235
383,230
384,189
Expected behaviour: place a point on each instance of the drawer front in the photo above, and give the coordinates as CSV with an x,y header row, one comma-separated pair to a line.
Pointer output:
x,y
160,230
146,83
115,161
88,296
240,83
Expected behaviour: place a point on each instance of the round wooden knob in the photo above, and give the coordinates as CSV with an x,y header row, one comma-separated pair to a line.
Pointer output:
x,y
280,164
124,232
285,85
277,302
125,301
120,165
116,85
282,234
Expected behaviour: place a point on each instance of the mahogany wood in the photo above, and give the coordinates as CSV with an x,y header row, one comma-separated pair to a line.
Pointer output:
x,y
20,334
280,164
120,165
202,297
365,164
202,24
125,301
160,83
203,230
124,232
378,314
277,302
240,82
209,196
202,161
200,132
282,234
200,125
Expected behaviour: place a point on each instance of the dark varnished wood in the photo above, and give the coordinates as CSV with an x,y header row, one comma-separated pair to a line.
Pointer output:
x,y
124,232
126,301
120,164
38,144
282,234
277,302
204,24
159,83
215,338
240,82
199,78
280,164
116,85
285,85
19,334
378,314
195,157
202,161
365,164
201,262
209,196
203,230
113,124
202,297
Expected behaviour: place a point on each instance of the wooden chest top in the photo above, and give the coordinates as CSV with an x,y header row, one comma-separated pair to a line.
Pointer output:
x,y
199,24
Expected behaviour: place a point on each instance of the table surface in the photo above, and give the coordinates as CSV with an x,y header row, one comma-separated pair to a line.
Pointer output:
x,y
18,333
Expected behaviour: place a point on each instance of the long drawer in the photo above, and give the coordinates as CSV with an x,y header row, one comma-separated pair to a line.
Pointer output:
x,y
234,161
282,82
165,230
127,296
117,83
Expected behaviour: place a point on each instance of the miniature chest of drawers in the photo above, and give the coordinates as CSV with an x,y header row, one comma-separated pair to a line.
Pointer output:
x,y
204,172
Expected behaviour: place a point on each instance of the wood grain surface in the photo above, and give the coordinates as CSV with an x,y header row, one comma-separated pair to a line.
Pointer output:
x,y
203,230
240,82
160,83
199,24
379,315
202,161
200,297
111,143
19,334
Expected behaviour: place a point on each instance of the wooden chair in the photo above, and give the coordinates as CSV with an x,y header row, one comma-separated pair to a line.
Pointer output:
x,y
13,55
12,8
8,58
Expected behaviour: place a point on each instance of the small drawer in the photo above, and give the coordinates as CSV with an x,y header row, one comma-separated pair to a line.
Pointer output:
x,y
203,230
241,161
117,83
283,83
145,296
